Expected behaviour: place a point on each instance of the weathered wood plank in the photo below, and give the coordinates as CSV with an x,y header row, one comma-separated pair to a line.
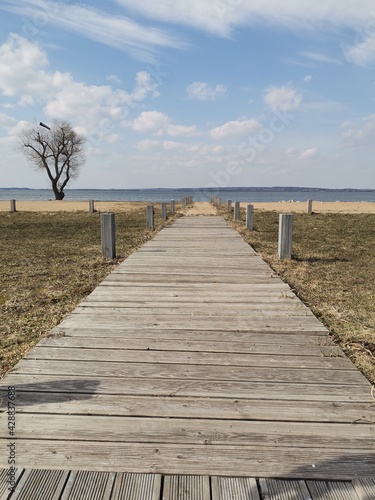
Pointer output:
x,y
274,390
204,407
364,487
186,488
331,490
311,349
137,487
187,322
234,488
192,372
92,485
219,460
40,484
107,429
6,477
273,489
270,336
190,357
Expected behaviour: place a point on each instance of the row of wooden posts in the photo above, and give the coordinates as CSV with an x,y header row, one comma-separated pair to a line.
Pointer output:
x,y
184,202
285,225
108,226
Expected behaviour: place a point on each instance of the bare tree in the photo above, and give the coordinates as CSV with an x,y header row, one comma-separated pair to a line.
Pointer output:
x,y
60,151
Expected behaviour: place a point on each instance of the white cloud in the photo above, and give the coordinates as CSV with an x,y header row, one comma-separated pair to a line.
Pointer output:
x,y
307,78
308,154
361,53
122,33
150,121
159,124
221,17
182,130
24,74
284,98
235,129
202,91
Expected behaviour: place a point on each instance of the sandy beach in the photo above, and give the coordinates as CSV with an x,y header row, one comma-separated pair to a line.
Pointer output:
x,y
198,208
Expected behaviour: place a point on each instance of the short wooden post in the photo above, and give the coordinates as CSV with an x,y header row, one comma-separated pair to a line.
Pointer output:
x,y
12,206
172,207
91,206
236,210
229,205
164,210
285,236
108,235
309,206
150,217
250,217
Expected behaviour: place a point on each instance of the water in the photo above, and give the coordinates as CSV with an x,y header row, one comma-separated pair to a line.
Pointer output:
x,y
204,194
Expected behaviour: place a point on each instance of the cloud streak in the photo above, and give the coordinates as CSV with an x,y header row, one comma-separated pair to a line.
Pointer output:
x,y
141,42
222,16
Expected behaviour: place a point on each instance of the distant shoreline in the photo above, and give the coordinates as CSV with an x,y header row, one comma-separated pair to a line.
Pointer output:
x,y
203,207
200,189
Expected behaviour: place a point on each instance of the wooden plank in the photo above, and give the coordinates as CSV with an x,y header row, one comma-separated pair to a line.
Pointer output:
x,y
208,460
190,357
270,336
364,487
182,407
278,347
40,484
278,489
186,488
137,487
6,478
115,319
218,309
91,485
331,490
234,488
191,372
91,384
186,431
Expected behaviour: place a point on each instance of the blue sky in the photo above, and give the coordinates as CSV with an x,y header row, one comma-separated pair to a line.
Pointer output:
x,y
194,93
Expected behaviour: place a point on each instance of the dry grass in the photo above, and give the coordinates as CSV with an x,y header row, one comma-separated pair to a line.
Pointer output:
x,y
332,270
49,263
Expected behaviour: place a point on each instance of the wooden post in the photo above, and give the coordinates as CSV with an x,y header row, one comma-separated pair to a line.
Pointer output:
x,y
236,210
250,217
164,210
150,217
309,206
12,206
91,206
172,207
285,236
229,205
108,235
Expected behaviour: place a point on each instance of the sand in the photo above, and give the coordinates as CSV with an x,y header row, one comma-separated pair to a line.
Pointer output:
x,y
203,208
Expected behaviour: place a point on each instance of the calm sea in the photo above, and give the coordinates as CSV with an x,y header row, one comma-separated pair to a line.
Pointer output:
x,y
204,194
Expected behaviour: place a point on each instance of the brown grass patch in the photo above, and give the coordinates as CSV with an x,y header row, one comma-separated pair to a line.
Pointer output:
x,y
332,270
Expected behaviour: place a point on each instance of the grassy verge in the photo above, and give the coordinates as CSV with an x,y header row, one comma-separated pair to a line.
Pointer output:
x,y
49,262
332,270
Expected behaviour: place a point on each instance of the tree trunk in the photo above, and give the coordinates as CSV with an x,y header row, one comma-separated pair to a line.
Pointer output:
x,y
59,195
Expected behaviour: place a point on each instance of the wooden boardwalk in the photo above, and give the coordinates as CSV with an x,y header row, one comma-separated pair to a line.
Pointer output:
x,y
193,359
